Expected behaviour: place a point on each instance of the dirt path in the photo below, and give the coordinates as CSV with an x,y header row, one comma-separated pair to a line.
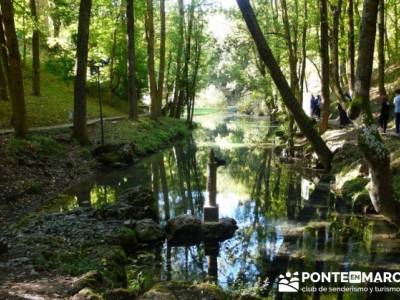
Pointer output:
x,y
62,126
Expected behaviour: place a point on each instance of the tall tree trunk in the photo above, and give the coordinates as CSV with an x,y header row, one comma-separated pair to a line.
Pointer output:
x,y
370,143
351,45
161,73
366,48
304,51
381,48
188,54
178,80
323,6
290,101
337,11
132,90
150,58
35,51
112,63
15,79
80,130
4,67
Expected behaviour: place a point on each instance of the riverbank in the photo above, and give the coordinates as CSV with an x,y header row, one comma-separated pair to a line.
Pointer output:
x,y
35,170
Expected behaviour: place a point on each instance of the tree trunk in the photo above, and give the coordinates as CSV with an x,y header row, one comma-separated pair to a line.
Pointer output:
x,y
337,11
4,67
325,111
290,101
369,141
351,45
381,48
132,90
188,58
112,63
35,51
80,130
366,48
15,79
175,110
161,73
150,58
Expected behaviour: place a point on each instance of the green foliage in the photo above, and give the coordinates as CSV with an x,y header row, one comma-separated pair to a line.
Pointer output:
x,y
36,146
354,186
147,135
60,64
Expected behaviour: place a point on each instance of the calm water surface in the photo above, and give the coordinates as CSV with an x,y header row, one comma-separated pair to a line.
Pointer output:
x,y
288,219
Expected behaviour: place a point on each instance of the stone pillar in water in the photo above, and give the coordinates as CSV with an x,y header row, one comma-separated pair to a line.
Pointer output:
x,y
211,211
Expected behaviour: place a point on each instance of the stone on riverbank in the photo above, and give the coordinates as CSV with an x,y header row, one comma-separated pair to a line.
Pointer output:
x,y
114,155
184,291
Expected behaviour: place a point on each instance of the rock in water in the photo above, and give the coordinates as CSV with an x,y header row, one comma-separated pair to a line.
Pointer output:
x,y
219,231
149,232
184,228
114,155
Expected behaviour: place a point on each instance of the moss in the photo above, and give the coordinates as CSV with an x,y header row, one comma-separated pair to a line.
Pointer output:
x,y
354,186
113,267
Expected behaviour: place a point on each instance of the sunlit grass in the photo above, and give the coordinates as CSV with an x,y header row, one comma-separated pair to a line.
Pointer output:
x,y
55,105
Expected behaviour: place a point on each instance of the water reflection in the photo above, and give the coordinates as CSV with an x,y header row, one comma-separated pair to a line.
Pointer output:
x,y
288,219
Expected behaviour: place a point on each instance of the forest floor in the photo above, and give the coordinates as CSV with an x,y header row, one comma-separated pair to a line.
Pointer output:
x,y
37,169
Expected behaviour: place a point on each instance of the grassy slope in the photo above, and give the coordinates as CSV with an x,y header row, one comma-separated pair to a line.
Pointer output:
x,y
147,135
55,104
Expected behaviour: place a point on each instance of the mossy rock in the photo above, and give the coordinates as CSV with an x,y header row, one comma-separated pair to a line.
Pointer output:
x,y
113,262
362,202
125,237
354,186
87,294
120,294
176,290
92,279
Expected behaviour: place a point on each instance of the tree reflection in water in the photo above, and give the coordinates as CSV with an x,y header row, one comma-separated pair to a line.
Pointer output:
x,y
279,230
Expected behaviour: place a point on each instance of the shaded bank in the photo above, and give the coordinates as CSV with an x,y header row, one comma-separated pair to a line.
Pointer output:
x,y
54,162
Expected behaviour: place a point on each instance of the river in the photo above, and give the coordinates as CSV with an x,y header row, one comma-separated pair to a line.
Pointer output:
x,y
289,221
